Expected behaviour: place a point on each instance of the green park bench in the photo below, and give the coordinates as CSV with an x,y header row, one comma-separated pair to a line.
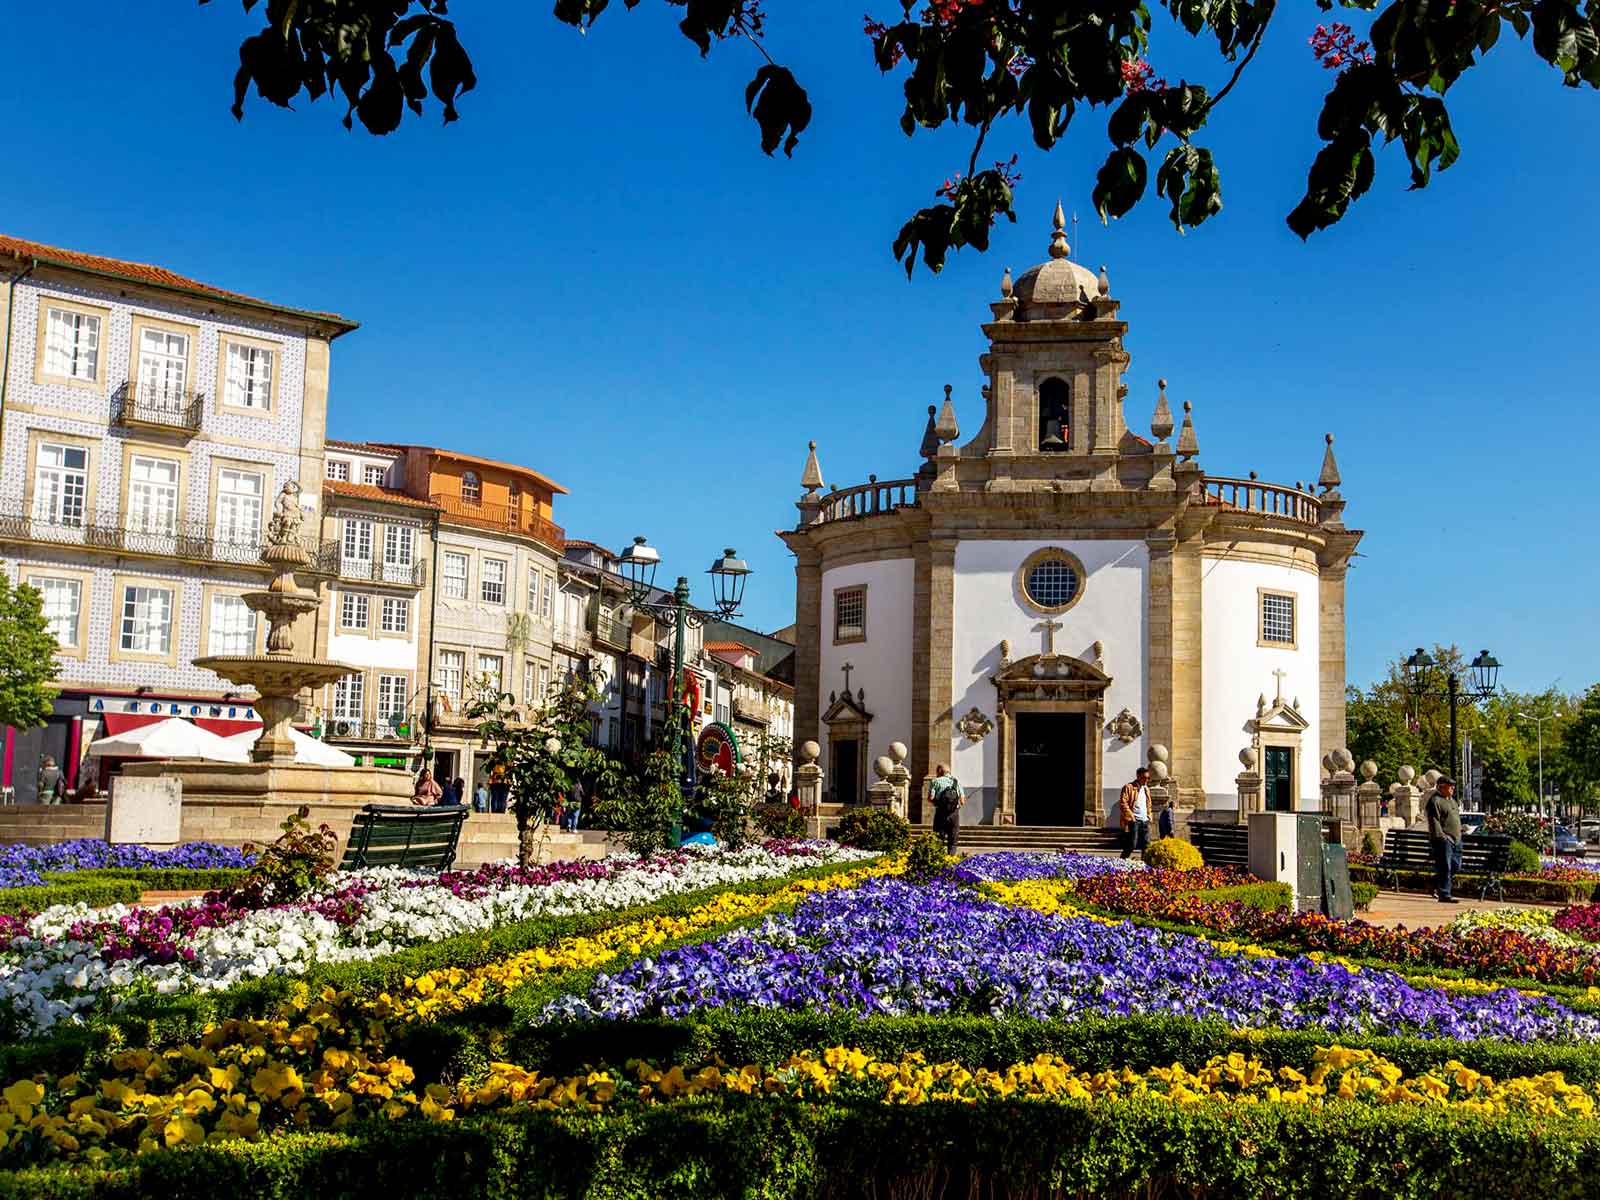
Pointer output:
x,y
1484,857
401,835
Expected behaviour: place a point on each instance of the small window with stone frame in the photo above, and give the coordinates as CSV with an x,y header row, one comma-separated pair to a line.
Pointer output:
x,y
849,615
1277,619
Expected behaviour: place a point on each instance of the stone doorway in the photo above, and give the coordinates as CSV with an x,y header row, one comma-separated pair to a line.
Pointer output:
x,y
1049,768
1279,778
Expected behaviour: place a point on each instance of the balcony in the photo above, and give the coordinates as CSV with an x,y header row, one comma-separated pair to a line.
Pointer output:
x,y
369,570
151,406
505,518
349,729
119,534
868,499
571,637
618,633
1266,499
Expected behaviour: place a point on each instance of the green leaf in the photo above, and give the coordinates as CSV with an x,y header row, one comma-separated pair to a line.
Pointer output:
x,y
450,74
1428,139
779,105
707,19
1341,172
1188,178
1120,183
929,229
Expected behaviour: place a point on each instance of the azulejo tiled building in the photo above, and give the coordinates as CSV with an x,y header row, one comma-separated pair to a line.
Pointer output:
x,y
1053,601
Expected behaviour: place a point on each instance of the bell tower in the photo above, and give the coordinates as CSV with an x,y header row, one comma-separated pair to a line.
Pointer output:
x,y
1054,365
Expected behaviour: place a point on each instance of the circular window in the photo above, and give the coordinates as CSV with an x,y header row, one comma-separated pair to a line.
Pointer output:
x,y
1051,580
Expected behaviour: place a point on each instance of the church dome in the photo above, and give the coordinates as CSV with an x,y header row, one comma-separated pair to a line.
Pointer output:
x,y
1059,280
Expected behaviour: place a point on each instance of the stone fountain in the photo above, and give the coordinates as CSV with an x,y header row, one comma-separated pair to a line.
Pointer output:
x,y
247,802
279,675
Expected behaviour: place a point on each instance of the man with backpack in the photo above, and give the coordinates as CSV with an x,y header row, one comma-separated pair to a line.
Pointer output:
x,y
947,796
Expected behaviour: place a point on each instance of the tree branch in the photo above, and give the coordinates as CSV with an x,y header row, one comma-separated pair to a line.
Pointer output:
x,y
1244,62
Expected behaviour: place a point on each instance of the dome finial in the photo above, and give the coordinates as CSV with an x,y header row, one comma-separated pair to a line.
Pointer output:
x,y
1161,422
1005,284
1188,443
946,428
811,477
1329,480
930,439
1058,239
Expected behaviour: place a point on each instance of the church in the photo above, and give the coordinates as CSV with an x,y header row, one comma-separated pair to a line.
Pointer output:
x,y
1058,599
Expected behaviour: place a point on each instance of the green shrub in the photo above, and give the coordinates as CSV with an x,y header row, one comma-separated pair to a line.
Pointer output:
x,y
1370,843
94,892
1174,854
1526,828
1522,860
779,821
925,859
158,879
1265,896
1362,895
868,828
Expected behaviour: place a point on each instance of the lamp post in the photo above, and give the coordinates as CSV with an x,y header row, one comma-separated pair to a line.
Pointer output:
x,y
639,562
1485,677
1539,721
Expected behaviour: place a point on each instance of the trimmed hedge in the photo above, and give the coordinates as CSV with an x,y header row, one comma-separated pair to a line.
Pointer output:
x,y
159,879
1536,891
1265,896
1363,894
94,892
156,1020
777,1148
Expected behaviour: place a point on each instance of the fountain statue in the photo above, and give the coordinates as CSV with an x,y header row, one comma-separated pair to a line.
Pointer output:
x,y
279,675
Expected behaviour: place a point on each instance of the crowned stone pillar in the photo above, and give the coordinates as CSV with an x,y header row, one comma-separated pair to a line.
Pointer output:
x,y
1369,796
1340,796
883,794
1160,793
900,776
808,786
1248,782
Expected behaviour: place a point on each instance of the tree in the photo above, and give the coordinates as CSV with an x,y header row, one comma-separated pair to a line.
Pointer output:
x,y
989,63
1579,755
545,756
27,657
1377,729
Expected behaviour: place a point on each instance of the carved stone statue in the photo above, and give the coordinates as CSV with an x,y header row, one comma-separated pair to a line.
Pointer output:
x,y
1125,727
975,726
284,528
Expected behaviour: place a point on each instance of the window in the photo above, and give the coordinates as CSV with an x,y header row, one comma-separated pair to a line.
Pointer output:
x,y
453,579
146,620
249,380
534,575
63,603
549,596
396,614
72,344
472,488
353,611
232,628
531,696
452,665
357,541
1277,619
374,475
1051,580
850,614
1055,415
492,671
163,365
348,696
60,484
152,495
392,694
397,546
239,496
339,469
493,584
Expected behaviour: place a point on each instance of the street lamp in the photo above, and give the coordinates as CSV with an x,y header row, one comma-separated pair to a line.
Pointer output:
x,y
1485,678
1539,721
728,573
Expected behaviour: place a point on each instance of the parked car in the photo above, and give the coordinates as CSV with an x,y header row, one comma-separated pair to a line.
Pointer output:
x,y
1589,829
1471,823
1568,846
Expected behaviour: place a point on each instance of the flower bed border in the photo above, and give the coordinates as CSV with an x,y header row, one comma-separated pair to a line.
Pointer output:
x,y
776,1148
1532,891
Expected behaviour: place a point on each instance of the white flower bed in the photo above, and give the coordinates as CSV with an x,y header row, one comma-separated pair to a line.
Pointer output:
x,y
46,977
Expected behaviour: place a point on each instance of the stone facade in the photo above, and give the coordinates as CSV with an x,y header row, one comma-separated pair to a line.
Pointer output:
x,y
1069,581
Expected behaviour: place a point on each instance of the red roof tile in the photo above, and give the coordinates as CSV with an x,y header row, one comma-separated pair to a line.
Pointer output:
x,y
731,647
367,491
21,248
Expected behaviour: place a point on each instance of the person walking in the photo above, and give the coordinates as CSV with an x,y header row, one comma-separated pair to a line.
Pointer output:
x,y
1444,836
499,789
427,792
458,789
574,808
1133,807
51,781
480,799
947,796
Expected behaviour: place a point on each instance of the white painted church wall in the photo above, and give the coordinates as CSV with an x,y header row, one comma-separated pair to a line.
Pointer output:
x,y
987,608
1237,671
882,663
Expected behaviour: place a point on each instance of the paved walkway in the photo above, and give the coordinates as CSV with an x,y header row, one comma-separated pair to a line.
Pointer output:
x,y
1416,910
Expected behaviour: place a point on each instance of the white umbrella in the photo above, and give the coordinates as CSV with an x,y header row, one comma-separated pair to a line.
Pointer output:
x,y
171,738
307,749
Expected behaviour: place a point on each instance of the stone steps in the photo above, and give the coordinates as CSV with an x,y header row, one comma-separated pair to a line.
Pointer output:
x,y
980,839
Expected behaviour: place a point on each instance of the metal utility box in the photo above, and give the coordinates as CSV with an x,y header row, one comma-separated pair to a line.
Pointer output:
x,y
1287,848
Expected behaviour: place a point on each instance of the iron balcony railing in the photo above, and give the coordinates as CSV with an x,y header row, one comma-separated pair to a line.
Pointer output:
x,y
373,570
129,534
617,633
512,518
136,403
1270,499
386,729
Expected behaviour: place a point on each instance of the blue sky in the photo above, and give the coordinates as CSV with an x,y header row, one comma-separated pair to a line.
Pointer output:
x,y
597,273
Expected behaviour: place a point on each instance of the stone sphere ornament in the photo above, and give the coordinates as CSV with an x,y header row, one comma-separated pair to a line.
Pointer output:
x,y
883,766
1369,770
1247,758
1157,753
1328,763
1344,760
1158,772
810,751
1407,774
1431,778
897,751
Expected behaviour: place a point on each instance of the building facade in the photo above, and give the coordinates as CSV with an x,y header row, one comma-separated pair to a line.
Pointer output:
x,y
1055,601
377,609
147,424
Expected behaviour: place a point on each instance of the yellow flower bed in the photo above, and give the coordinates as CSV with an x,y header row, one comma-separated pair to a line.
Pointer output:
x,y
1043,895
1337,1073
320,1063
